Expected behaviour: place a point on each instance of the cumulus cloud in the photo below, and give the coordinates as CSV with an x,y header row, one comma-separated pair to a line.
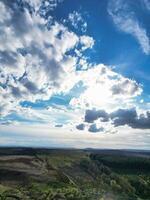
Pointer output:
x,y
87,42
123,117
124,86
80,127
131,118
105,89
94,129
36,63
34,59
119,117
126,20
92,115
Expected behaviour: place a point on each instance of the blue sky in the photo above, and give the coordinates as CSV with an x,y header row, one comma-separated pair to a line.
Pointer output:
x,y
75,73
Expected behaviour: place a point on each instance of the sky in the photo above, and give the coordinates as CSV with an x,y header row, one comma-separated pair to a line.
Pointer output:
x,y
75,73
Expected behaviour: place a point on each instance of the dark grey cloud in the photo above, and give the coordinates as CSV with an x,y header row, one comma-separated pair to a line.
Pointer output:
x,y
31,87
80,127
143,122
119,117
16,92
92,115
124,117
8,58
93,128
58,125
130,117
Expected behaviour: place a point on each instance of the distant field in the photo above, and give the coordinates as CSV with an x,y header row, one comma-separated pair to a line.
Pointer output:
x,y
68,174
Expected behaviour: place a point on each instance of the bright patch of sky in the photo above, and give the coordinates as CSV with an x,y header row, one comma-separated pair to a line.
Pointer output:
x,y
76,71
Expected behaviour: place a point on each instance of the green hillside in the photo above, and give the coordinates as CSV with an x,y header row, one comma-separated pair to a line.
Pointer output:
x,y
40,174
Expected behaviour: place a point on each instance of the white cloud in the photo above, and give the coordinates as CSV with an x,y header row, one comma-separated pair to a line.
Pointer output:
x,y
87,42
46,136
34,63
125,19
147,4
106,89
77,21
48,4
4,15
